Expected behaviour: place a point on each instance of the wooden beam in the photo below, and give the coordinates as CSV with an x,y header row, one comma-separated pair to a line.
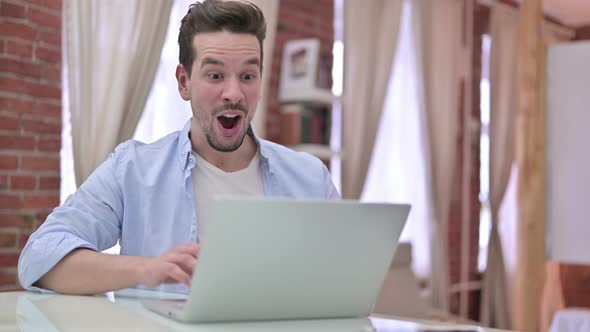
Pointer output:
x,y
530,157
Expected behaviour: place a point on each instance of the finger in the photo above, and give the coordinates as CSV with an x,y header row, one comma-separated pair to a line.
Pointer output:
x,y
188,248
185,261
178,275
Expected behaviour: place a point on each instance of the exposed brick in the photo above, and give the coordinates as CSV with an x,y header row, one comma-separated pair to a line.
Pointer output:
x,y
49,183
8,162
51,73
10,201
40,163
8,277
49,144
48,55
41,127
17,85
40,201
23,182
22,240
24,68
42,216
48,110
9,259
19,48
8,123
51,37
16,105
30,112
45,19
17,30
47,4
7,239
12,10
10,84
43,90
16,220
17,142
3,182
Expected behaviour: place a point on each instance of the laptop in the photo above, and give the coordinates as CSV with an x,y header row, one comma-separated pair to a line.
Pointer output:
x,y
278,258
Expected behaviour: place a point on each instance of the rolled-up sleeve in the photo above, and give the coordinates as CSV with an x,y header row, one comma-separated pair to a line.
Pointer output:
x,y
90,218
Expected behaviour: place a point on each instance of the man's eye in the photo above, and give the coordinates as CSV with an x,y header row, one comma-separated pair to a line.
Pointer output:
x,y
214,76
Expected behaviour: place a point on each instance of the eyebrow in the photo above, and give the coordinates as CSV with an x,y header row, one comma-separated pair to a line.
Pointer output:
x,y
253,61
211,61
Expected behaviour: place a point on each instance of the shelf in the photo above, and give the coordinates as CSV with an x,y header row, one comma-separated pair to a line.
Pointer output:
x,y
318,150
308,96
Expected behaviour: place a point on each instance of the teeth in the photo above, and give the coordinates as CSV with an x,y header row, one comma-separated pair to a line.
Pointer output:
x,y
230,116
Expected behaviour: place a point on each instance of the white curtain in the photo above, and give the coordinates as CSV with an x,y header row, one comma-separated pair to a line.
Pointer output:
x,y
439,28
370,38
113,49
495,309
165,111
397,172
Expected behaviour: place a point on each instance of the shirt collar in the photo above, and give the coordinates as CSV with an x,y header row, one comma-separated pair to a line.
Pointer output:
x,y
185,148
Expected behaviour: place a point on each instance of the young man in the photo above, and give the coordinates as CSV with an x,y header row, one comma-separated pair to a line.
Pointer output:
x,y
154,198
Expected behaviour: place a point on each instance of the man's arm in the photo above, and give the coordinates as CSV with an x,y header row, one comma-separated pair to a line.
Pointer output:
x,y
85,271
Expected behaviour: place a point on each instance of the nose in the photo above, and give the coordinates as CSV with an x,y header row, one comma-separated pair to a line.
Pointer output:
x,y
232,91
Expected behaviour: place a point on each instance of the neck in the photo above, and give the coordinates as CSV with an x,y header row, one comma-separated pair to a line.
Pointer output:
x,y
226,161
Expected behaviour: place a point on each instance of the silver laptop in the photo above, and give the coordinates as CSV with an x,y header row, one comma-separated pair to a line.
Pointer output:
x,y
270,259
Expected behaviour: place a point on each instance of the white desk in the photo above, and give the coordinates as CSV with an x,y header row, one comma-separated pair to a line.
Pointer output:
x,y
571,319
24,311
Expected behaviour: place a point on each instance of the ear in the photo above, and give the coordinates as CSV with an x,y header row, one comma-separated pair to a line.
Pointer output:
x,y
183,80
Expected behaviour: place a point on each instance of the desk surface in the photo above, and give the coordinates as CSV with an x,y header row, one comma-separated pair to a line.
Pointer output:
x,y
122,311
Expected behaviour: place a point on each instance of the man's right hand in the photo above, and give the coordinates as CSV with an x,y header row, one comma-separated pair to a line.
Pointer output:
x,y
174,266
85,271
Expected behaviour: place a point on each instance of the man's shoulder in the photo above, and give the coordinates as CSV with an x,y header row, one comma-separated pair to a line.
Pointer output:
x,y
298,174
284,156
133,149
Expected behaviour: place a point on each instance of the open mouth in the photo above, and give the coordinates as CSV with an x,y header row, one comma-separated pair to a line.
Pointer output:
x,y
229,121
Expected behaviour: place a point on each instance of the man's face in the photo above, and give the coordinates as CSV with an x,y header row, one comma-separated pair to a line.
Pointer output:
x,y
223,88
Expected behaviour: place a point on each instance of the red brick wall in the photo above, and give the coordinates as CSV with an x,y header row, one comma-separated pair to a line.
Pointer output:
x,y
297,19
30,123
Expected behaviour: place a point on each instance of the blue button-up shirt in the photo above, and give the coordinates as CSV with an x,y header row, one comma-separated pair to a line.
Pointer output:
x,y
142,196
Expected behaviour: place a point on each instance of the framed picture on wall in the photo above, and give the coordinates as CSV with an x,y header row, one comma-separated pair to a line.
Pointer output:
x,y
299,67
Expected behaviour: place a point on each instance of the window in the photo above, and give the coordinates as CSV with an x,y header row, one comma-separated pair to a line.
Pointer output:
x,y
397,172
485,214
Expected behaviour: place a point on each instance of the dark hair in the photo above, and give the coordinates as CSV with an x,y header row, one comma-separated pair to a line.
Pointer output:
x,y
217,15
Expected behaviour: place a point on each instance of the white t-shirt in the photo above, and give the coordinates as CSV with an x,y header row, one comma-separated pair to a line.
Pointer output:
x,y
210,181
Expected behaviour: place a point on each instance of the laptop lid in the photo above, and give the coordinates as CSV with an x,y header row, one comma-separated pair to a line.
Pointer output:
x,y
277,258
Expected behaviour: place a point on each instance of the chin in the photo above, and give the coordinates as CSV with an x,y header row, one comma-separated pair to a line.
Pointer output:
x,y
227,147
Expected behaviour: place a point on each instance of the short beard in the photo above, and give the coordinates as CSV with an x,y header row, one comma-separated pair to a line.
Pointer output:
x,y
215,145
